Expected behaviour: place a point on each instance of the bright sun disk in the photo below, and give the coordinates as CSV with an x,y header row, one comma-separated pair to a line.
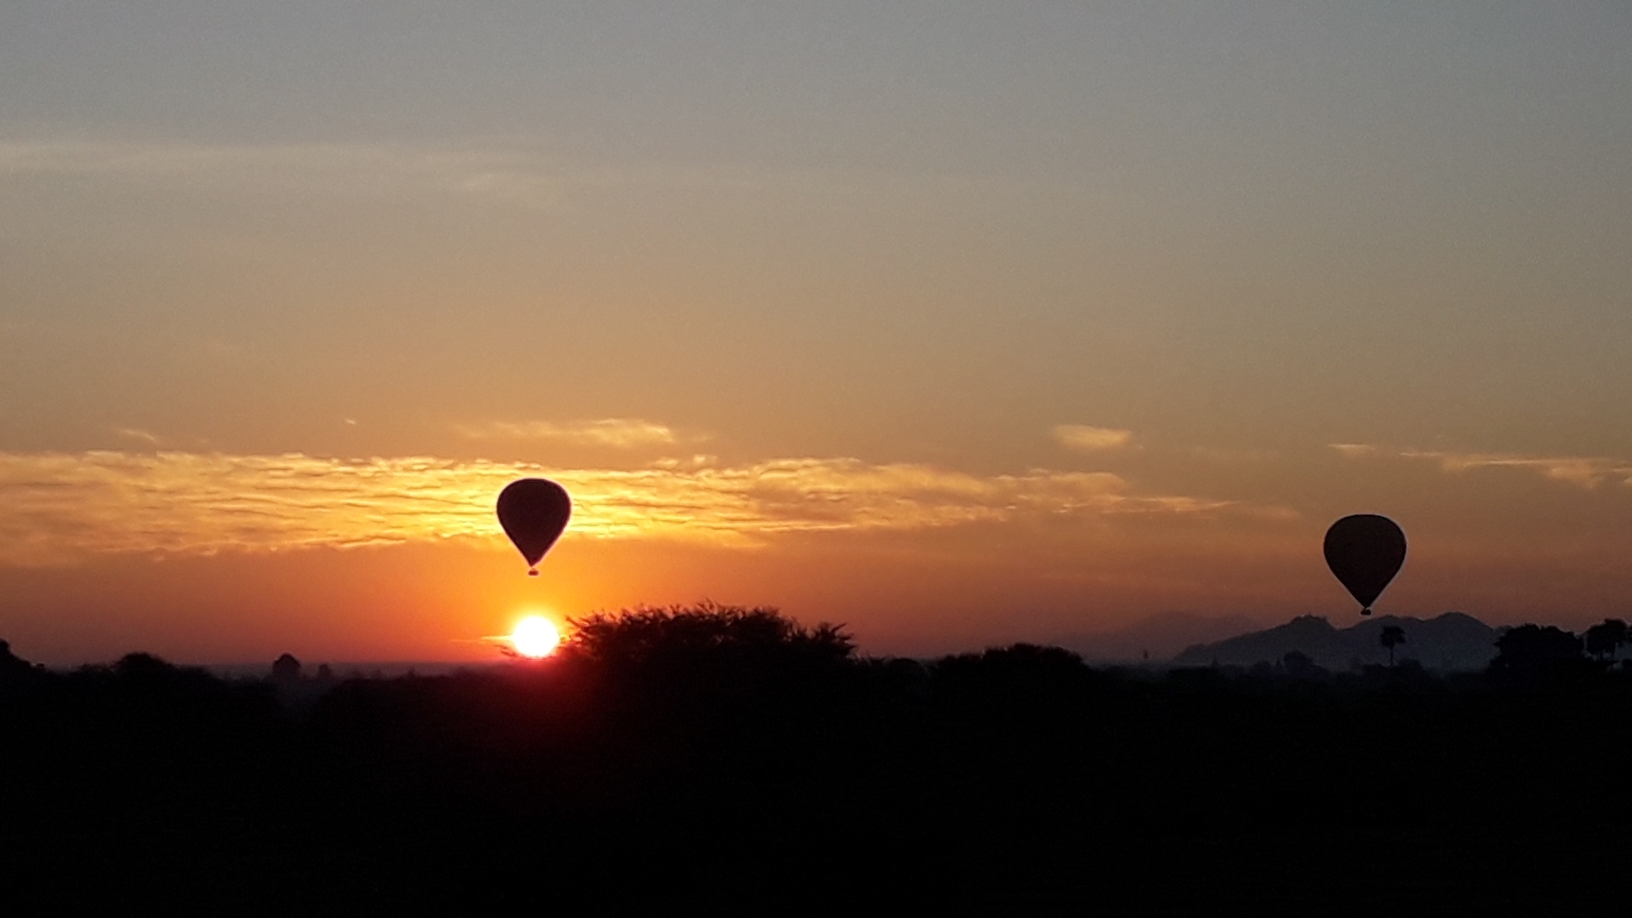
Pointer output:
x,y
535,636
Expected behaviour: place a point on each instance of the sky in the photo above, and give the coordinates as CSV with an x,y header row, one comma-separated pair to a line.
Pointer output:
x,y
958,323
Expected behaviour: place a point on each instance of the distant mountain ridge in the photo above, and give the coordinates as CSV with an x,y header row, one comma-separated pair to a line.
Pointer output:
x,y
1156,638
1450,642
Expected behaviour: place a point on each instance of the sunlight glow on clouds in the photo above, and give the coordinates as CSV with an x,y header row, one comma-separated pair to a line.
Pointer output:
x,y
1583,471
613,432
56,507
1083,438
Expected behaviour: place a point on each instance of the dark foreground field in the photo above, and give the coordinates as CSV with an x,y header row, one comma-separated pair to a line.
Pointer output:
x,y
754,767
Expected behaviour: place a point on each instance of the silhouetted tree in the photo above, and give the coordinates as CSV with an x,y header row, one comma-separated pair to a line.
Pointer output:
x,y
14,670
11,664
286,668
1605,638
143,666
1026,667
643,633
1533,649
1391,637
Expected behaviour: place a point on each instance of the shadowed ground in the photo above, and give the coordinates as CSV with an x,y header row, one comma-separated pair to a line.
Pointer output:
x,y
733,759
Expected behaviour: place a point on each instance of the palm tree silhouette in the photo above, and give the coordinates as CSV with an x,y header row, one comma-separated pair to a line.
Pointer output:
x,y
1392,636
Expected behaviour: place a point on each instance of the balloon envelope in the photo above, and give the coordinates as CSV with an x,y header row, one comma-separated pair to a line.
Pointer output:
x,y
1365,551
533,512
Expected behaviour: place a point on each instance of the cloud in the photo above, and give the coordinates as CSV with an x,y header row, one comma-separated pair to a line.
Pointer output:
x,y
134,434
1083,438
510,174
1582,471
1355,450
500,172
506,172
621,433
61,506
1235,456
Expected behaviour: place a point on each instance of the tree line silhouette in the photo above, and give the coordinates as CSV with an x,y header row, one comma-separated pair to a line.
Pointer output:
x,y
734,759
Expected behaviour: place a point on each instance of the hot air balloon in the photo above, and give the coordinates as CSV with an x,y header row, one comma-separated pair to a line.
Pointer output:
x,y
1365,551
533,512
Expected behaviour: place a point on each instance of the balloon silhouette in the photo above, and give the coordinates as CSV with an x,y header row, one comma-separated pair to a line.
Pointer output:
x,y
1365,551
533,512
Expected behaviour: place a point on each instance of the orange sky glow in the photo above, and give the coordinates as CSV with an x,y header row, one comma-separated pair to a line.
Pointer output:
x,y
957,328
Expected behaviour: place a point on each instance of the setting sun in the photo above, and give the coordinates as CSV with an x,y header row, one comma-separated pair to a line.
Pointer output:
x,y
535,636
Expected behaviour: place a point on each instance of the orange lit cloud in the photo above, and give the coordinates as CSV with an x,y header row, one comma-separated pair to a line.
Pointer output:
x,y
1583,471
612,432
60,506
1083,438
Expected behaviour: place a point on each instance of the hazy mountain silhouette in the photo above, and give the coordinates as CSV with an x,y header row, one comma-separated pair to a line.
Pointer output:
x,y
1452,641
1161,636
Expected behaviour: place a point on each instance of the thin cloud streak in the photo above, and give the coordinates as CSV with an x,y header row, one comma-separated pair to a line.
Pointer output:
x,y
621,433
511,175
1084,438
58,507
1235,456
135,434
1583,471
496,170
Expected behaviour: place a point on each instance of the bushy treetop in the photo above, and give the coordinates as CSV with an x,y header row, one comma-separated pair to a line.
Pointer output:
x,y
643,633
